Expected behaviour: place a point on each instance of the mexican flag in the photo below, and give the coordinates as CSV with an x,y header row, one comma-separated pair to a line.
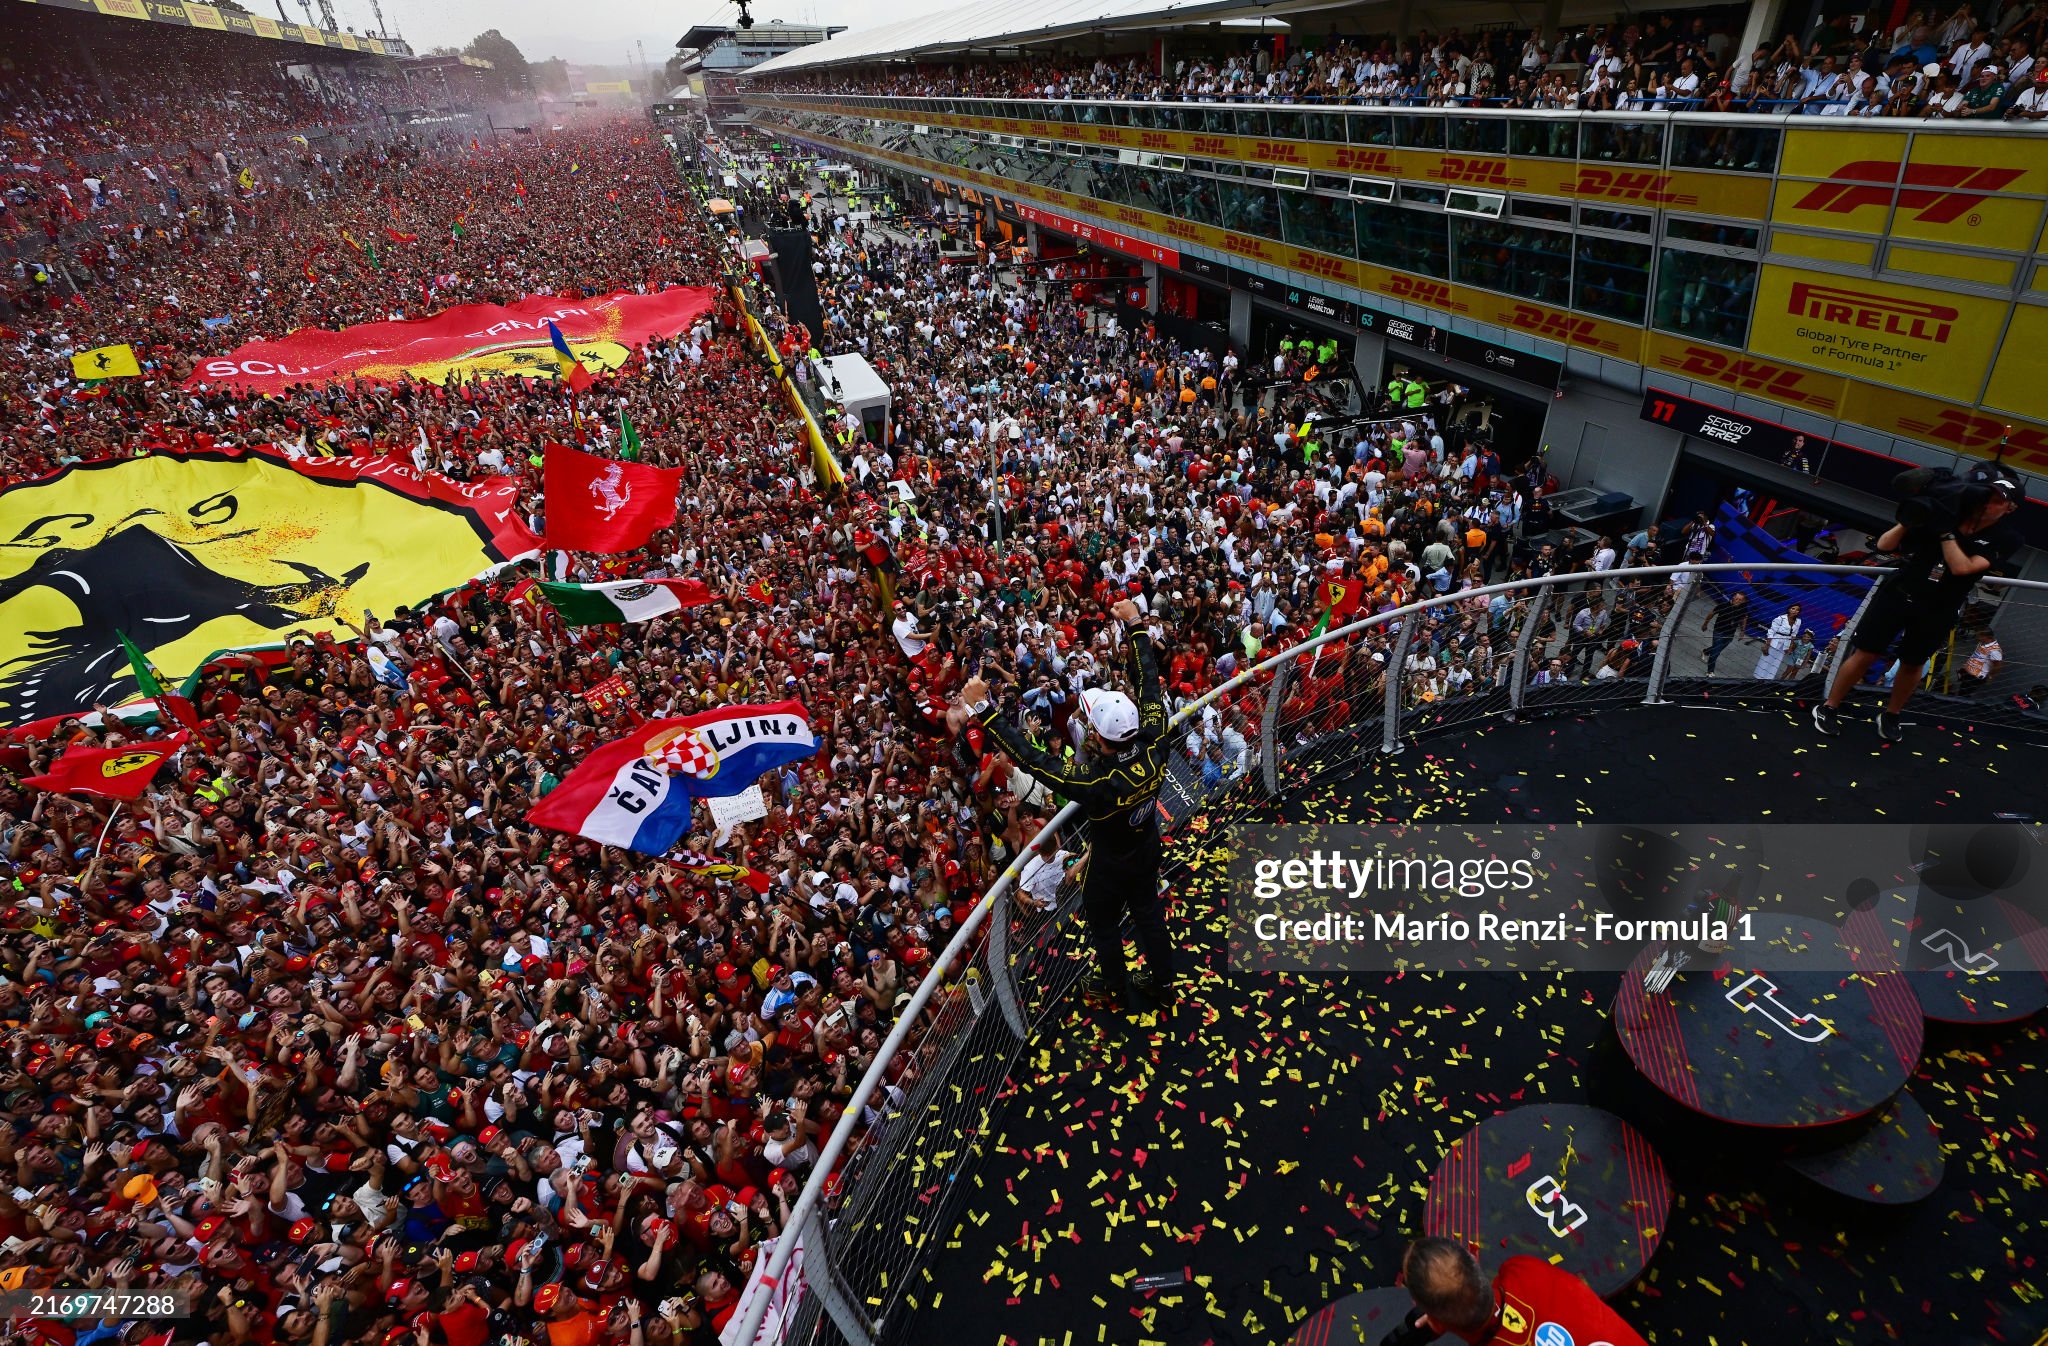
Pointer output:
x,y
624,600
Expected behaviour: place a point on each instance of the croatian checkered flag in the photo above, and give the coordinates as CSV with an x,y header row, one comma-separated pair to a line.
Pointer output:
x,y
636,791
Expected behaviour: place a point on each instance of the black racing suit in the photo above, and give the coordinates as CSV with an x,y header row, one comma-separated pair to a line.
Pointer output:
x,y
1119,796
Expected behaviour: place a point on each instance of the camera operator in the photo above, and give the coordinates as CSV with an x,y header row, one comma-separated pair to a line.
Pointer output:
x,y
1526,1305
1118,791
1949,533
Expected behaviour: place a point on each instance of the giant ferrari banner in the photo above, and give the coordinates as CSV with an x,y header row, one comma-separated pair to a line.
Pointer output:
x,y
474,340
189,555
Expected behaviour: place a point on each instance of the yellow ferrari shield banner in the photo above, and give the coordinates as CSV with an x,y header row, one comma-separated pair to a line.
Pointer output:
x,y
193,554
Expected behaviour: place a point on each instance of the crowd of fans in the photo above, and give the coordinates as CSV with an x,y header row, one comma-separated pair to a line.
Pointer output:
x,y
1934,64
321,1030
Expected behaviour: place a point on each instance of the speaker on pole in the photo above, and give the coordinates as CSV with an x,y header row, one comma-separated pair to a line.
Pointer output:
x,y
793,277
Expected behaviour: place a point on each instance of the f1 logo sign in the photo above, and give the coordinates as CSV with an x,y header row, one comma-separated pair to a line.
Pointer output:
x,y
1547,1199
1758,994
1949,944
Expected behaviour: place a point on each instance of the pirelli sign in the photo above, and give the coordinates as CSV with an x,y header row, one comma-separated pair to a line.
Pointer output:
x,y
1931,341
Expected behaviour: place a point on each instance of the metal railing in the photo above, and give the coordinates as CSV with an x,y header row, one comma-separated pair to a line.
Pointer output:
x,y
876,1207
1640,137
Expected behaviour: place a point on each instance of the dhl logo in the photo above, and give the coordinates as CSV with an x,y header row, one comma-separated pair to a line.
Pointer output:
x,y
1474,172
1128,216
1109,135
1905,318
1316,264
1557,326
1181,229
1748,375
1650,189
1935,193
1155,140
1213,145
1277,152
1346,160
1965,430
1433,293
1244,247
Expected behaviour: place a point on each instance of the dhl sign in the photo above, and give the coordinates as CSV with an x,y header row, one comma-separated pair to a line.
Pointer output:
x,y
1746,374
1155,140
1570,328
1278,152
1462,171
1429,293
1319,264
1214,147
1374,163
1963,429
1642,189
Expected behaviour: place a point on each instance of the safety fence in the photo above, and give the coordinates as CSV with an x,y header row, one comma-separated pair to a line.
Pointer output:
x,y
877,1209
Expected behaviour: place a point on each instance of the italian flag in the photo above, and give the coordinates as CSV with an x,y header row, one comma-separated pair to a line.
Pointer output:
x,y
620,601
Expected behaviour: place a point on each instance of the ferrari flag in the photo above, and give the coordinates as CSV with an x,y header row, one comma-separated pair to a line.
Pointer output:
x,y
111,773
106,362
636,792
603,505
192,554
472,340
625,600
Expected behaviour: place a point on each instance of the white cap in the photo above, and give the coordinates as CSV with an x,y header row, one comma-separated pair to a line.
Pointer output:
x,y
1111,714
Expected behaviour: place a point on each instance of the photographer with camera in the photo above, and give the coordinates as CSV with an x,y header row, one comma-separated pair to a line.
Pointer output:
x,y
1118,791
1530,1303
1949,531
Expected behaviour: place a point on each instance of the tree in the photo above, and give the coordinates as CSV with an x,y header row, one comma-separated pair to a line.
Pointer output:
x,y
508,74
550,76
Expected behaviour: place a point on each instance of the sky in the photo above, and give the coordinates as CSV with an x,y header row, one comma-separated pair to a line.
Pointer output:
x,y
597,31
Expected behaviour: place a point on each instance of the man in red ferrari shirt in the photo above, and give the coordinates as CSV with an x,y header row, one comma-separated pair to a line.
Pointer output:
x,y
1530,1303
